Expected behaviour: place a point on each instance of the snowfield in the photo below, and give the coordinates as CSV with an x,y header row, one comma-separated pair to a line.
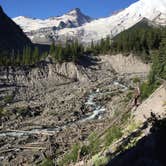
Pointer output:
x,y
154,10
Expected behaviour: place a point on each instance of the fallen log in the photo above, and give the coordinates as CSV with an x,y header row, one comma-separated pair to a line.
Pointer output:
x,y
32,147
9,150
28,132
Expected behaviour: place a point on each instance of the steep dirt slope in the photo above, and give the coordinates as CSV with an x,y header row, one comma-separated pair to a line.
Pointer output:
x,y
127,64
154,104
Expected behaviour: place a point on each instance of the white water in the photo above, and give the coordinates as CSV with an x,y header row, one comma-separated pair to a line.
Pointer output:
x,y
120,85
96,112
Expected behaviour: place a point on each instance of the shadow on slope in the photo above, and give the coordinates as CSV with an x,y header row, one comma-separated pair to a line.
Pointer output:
x,y
11,35
149,151
88,61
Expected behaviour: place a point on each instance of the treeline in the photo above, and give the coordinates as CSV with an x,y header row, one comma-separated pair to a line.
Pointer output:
x,y
138,40
66,53
158,70
31,55
101,47
27,56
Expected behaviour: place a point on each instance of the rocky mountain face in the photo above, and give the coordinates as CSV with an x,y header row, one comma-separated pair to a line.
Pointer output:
x,y
42,31
11,35
97,29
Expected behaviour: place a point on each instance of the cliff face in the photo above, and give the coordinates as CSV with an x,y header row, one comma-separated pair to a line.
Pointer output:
x,y
11,35
127,64
30,81
51,73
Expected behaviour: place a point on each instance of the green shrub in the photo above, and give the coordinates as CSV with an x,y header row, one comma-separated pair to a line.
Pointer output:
x,y
8,98
136,80
92,147
94,144
147,89
47,162
70,157
84,150
99,160
112,134
3,112
132,126
125,118
128,96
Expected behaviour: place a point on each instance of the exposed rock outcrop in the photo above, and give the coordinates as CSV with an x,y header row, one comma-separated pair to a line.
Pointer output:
x,y
127,64
48,73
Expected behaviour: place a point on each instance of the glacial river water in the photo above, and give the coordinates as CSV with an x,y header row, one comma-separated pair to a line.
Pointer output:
x,y
97,112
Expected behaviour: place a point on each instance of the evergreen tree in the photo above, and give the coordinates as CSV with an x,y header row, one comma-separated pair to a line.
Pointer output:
x,y
52,49
35,56
162,57
92,46
60,54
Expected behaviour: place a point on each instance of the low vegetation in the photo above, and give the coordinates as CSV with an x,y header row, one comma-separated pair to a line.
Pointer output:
x,y
8,98
94,144
70,157
1,112
113,134
99,160
47,162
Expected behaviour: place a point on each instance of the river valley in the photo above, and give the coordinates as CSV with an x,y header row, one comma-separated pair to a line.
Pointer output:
x,y
46,117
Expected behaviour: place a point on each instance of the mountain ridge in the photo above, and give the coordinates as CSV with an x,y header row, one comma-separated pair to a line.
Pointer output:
x,y
74,16
100,28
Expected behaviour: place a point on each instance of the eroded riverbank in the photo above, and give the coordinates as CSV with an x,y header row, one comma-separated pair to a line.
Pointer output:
x,y
50,109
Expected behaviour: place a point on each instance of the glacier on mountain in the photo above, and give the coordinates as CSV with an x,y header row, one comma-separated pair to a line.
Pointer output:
x,y
88,30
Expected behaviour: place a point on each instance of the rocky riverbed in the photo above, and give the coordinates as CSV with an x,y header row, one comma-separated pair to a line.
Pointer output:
x,y
46,109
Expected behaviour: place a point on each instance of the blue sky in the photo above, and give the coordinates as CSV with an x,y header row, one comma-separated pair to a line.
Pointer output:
x,y
47,8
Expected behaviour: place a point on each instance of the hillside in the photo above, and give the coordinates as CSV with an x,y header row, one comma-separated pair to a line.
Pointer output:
x,y
11,35
52,99
136,137
150,147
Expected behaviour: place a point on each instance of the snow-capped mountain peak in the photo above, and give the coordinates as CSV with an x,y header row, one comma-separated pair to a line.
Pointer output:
x,y
154,10
74,18
75,11
158,4
88,30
